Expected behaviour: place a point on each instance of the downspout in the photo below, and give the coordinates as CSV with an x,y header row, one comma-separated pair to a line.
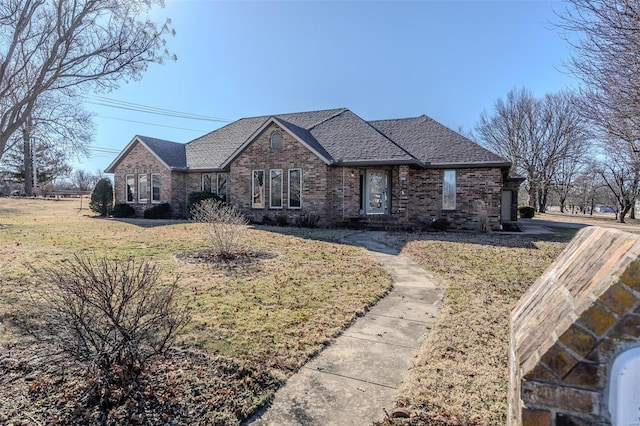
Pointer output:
x,y
343,218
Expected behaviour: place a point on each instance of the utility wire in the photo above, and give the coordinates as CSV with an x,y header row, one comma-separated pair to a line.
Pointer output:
x,y
131,106
153,124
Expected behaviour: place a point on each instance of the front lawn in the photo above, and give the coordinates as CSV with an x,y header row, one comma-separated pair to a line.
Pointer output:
x,y
461,373
263,320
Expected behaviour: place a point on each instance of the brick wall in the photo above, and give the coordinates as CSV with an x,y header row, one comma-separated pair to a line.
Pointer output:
x,y
424,201
569,327
259,155
141,161
332,193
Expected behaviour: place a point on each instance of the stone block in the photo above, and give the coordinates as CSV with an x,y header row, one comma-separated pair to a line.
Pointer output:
x,y
597,319
618,299
531,417
578,340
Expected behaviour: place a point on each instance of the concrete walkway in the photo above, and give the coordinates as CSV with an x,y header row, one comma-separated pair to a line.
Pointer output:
x,y
356,377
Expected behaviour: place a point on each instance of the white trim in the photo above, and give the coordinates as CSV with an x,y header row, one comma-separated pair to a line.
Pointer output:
x,y
159,200
271,206
126,188
202,176
455,189
146,178
289,189
250,139
253,190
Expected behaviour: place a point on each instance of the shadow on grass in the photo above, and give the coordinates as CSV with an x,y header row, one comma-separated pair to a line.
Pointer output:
x,y
149,223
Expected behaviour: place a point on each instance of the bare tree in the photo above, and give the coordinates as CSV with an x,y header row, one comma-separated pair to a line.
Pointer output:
x,y
82,180
605,37
536,135
621,174
66,46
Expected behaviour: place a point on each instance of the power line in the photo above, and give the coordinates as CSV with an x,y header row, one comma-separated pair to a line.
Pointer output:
x,y
153,124
131,106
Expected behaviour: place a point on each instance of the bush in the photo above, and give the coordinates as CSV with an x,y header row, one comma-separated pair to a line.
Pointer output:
x,y
197,197
282,220
159,211
526,212
102,197
484,224
307,221
123,210
112,315
225,226
440,224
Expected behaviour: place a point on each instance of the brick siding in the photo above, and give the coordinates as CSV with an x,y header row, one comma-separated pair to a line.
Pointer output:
x,y
331,193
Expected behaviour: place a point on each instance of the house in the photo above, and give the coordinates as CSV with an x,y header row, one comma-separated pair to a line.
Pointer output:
x,y
330,163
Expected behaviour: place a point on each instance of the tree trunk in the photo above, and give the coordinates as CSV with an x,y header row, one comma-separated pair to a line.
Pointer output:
x,y
632,213
623,212
28,161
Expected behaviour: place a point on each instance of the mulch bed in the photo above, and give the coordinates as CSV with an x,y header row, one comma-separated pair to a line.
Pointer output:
x,y
185,387
210,256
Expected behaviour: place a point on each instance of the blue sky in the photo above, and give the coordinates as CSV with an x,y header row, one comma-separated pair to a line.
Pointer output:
x,y
449,60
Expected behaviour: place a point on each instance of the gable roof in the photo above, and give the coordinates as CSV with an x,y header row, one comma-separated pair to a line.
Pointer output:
x,y
436,145
337,136
170,154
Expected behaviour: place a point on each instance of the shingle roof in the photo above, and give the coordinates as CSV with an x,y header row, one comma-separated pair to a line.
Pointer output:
x,y
171,153
338,136
434,144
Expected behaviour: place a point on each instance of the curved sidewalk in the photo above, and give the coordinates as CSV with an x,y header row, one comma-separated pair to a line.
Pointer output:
x,y
354,379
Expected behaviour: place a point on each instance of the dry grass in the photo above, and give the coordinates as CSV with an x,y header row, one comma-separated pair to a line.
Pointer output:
x,y
273,313
461,372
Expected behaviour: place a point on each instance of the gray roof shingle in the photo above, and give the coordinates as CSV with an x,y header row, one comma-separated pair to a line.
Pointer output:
x,y
171,153
434,144
338,136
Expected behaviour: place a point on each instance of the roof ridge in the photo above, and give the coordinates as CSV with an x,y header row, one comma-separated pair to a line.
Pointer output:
x,y
339,111
392,141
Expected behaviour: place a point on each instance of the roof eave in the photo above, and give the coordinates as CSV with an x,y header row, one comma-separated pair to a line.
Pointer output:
x,y
382,162
474,165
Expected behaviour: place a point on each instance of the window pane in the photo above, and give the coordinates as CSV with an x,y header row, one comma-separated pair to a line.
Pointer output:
x,y
222,185
155,187
206,182
276,188
131,188
276,140
376,192
143,189
295,188
449,190
257,187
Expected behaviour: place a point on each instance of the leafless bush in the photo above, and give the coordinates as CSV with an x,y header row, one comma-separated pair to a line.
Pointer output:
x,y
226,226
112,315
483,216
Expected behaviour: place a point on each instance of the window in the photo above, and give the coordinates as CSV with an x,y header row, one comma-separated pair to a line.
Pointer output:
x,y
276,140
205,184
295,188
130,188
222,185
143,188
257,189
449,190
155,188
275,190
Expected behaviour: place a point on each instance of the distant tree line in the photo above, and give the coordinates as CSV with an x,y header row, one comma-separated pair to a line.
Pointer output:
x,y
582,148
